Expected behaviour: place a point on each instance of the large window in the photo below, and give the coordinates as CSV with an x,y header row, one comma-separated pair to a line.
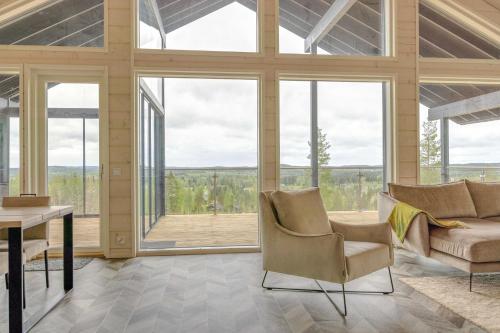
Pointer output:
x,y
73,165
198,163
444,35
459,132
336,27
55,23
198,25
332,136
9,135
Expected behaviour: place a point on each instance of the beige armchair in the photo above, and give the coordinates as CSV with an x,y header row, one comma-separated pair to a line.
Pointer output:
x,y
36,239
344,253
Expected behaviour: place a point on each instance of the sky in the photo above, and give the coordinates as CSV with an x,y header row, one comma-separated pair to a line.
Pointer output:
x,y
214,122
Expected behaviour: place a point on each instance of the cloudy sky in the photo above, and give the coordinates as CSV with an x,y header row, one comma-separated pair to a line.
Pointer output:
x,y
214,122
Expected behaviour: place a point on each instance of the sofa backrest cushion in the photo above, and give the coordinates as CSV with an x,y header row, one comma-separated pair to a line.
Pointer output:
x,y
441,201
302,211
486,197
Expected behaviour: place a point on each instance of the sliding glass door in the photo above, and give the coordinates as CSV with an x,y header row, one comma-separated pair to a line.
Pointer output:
x,y
152,172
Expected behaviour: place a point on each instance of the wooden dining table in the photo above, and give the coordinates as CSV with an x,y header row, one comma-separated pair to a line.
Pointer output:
x,y
17,219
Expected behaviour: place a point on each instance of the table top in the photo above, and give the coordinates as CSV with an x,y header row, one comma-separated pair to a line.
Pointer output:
x,y
27,217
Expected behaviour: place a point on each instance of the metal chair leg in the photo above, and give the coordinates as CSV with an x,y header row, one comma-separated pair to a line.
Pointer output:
x,y
328,291
46,268
7,281
343,314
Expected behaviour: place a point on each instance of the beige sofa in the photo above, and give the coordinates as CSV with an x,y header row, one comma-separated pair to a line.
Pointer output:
x,y
474,250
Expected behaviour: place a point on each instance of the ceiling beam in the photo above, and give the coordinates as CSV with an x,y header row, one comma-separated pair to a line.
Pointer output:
x,y
466,14
327,22
15,9
466,107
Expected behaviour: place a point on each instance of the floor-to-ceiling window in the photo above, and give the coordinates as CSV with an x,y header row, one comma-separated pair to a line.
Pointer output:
x,y
198,163
332,136
9,135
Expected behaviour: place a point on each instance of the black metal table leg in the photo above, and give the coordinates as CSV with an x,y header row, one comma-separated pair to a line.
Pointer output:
x,y
68,252
15,280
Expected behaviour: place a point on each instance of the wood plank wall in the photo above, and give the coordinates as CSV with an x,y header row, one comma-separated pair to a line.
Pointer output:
x,y
121,60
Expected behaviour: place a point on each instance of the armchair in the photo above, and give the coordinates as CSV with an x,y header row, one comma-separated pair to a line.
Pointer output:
x,y
343,254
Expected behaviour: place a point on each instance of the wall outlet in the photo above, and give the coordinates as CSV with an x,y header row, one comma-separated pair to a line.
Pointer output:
x,y
120,239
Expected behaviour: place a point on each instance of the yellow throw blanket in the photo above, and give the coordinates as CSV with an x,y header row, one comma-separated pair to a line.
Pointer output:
x,y
403,215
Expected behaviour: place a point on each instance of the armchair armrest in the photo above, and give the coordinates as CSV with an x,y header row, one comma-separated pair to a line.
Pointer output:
x,y
316,256
371,232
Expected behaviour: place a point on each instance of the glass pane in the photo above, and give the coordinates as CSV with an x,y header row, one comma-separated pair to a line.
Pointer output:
x,y
199,25
333,27
73,158
350,144
9,135
443,35
473,115
350,141
61,23
150,36
295,134
209,169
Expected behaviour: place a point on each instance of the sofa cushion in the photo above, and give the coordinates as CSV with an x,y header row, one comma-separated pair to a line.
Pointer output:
x,y
302,211
479,243
486,197
493,218
441,201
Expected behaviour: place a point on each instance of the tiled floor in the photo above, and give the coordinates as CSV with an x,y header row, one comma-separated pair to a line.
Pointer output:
x,y
222,293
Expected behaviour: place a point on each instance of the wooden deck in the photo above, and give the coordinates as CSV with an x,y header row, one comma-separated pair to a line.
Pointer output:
x,y
85,232
226,229
193,230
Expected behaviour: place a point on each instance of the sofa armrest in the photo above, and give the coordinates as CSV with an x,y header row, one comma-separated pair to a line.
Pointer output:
x,y
386,204
417,237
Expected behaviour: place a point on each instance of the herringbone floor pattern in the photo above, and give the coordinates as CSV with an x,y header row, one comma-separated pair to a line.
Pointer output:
x,y
222,293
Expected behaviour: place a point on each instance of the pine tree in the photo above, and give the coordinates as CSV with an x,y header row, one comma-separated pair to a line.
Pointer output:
x,y
430,146
323,148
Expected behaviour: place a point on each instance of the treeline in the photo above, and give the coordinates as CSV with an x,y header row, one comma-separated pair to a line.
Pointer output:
x,y
204,191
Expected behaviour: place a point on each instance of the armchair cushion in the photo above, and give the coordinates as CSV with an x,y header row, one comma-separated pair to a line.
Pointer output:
x,y
363,258
302,211
441,201
486,198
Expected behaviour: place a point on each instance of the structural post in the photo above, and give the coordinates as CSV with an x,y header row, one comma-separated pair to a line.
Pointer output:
x,y
314,128
445,150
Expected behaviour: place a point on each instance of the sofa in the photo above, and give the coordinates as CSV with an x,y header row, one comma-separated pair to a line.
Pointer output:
x,y
475,249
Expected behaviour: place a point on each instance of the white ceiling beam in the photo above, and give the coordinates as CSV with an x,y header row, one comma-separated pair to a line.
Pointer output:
x,y
467,106
327,22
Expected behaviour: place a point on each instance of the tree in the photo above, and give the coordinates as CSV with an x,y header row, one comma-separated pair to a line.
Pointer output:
x,y
430,146
323,148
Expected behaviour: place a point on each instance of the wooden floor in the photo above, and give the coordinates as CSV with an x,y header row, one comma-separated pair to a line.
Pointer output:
x,y
222,293
192,230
